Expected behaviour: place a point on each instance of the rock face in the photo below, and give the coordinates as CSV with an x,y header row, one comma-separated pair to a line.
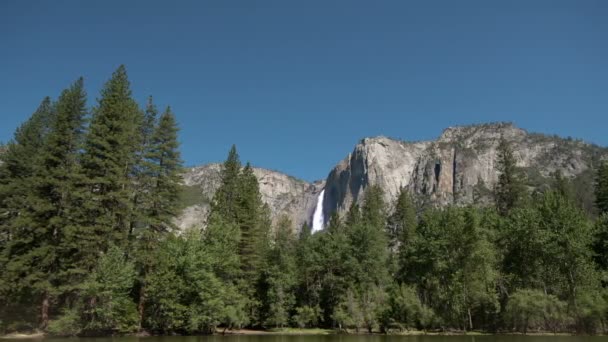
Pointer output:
x,y
283,194
457,168
450,169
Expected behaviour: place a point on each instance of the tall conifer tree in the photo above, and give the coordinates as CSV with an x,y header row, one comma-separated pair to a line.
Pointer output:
x,y
509,190
601,188
108,162
18,234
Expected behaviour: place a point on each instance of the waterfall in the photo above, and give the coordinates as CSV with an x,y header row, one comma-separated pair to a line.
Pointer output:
x,y
317,217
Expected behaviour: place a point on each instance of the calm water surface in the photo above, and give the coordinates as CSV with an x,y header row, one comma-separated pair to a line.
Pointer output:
x,y
334,338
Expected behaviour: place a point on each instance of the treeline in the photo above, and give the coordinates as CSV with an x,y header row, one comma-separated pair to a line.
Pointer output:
x,y
85,197
87,245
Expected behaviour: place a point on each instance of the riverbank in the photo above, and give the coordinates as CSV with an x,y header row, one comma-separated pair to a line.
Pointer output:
x,y
23,336
318,332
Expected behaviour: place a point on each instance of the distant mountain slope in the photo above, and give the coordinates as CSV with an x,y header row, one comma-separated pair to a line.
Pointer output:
x,y
445,171
283,194
449,169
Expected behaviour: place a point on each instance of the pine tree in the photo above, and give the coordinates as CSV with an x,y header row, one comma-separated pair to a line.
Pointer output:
x,y
19,162
509,190
143,170
368,245
51,197
225,200
281,274
601,188
165,156
402,223
161,182
106,201
18,238
563,186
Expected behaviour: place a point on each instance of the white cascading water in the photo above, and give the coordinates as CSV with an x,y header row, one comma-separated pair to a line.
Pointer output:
x,y
317,218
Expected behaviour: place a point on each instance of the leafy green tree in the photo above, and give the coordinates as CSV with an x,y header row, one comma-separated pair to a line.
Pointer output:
x,y
109,306
348,314
184,292
534,309
404,308
510,190
453,264
592,311
307,316
568,247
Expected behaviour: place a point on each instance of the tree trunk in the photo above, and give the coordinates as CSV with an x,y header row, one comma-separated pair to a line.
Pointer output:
x,y
44,311
470,319
141,305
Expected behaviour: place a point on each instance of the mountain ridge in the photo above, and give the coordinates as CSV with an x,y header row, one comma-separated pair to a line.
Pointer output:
x,y
446,170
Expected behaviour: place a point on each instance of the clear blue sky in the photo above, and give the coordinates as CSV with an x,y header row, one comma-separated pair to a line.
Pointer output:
x,y
295,84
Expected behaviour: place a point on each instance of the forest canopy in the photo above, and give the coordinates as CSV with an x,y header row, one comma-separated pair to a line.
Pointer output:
x,y
88,245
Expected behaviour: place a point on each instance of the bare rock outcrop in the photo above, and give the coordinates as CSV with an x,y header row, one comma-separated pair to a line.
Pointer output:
x,y
285,195
456,168
449,169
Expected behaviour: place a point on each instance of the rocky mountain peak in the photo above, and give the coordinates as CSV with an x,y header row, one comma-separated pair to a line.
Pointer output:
x,y
448,170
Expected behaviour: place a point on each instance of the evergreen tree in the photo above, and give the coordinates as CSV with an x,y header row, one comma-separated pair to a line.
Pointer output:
x,y
21,283
165,156
281,274
51,197
144,171
402,230
600,245
368,240
163,178
563,186
402,223
238,200
509,190
225,200
601,188
106,195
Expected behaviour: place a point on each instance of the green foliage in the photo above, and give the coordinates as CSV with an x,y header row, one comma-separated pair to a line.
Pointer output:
x,y
87,244
109,307
404,311
454,264
600,243
190,195
591,311
67,324
601,188
281,275
509,190
533,309
307,316
105,203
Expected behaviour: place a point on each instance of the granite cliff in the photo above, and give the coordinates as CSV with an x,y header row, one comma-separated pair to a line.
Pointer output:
x,y
457,168
285,195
